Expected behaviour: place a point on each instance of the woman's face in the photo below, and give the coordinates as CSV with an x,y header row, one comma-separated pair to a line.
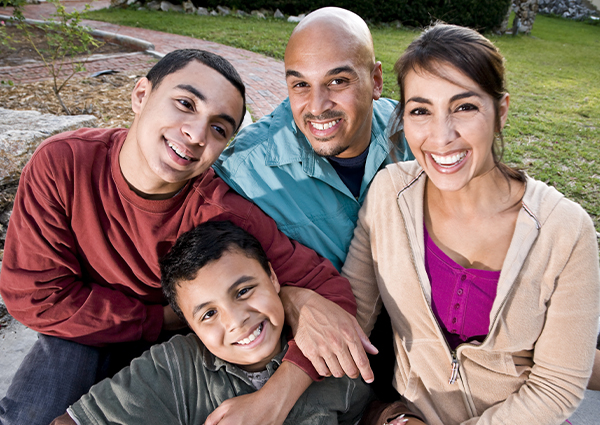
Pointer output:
x,y
450,125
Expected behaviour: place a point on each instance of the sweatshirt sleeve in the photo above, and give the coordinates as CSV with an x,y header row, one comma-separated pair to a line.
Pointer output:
x,y
43,282
166,385
359,269
564,353
297,265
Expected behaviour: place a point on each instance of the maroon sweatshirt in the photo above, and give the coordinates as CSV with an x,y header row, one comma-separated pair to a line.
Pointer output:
x,y
82,249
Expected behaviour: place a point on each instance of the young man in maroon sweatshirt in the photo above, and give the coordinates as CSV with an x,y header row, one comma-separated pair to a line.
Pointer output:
x,y
97,208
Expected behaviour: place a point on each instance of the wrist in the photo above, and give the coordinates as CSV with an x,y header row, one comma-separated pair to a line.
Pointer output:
x,y
284,395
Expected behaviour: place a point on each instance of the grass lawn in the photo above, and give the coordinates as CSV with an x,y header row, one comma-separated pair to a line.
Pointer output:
x,y
553,130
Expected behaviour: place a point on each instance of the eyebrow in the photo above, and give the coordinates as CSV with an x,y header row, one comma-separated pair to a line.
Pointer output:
x,y
452,99
197,93
340,70
232,287
334,71
193,90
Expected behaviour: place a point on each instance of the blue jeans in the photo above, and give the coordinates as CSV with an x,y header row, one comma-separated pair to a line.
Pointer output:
x,y
56,373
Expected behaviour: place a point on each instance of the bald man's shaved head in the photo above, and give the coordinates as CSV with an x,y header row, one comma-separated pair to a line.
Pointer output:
x,y
335,25
332,79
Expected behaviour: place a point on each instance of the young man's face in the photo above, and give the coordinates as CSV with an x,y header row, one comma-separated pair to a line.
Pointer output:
x,y
181,128
234,307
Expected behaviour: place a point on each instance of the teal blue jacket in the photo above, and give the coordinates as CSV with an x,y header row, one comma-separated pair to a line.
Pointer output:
x,y
272,164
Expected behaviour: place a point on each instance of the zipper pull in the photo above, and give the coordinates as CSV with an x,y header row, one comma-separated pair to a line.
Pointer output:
x,y
454,374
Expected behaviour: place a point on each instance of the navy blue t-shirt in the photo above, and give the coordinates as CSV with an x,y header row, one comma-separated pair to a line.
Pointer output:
x,y
351,170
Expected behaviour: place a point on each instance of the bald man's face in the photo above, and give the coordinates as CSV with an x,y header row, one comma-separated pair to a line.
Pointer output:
x,y
332,82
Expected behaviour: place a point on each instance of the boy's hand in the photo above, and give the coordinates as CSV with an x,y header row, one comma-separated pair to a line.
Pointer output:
x,y
327,335
63,420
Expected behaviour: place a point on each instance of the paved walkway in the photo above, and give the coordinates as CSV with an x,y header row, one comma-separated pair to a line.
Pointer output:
x,y
263,76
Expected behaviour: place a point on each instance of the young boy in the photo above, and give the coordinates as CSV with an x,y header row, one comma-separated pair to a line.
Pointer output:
x,y
218,279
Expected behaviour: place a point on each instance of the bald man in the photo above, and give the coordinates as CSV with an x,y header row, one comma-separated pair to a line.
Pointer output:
x,y
309,164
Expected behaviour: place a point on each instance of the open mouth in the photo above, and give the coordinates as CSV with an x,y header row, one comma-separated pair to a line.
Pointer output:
x,y
178,152
448,161
252,336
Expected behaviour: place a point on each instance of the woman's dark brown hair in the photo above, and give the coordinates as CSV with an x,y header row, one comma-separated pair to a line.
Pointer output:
x,y
470,53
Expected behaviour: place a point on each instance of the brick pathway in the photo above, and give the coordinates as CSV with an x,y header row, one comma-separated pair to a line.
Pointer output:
x,y
263,76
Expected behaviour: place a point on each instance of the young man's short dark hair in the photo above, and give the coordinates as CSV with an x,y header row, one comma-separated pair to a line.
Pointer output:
x,y
178,59
200,246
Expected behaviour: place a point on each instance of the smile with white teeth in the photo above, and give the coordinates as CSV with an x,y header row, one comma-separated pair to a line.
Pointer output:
x,y
178,151
449,160
325,126
252,336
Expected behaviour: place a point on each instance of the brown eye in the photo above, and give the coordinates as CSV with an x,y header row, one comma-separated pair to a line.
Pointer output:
x,y
467,107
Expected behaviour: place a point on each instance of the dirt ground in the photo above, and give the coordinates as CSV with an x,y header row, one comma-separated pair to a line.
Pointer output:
x,y
107,96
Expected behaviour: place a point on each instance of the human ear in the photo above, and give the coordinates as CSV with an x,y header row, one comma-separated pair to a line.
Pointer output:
x,y
140,92
503,110
377,76
274,279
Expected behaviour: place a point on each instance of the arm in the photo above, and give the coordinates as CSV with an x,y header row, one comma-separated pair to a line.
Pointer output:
x,y
43,282
564,352
268,406
299,267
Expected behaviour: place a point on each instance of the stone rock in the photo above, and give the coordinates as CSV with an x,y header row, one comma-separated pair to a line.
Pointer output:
x,y
278,14
223,10
33,2
153,5
242,13
22,131
118,3
203,11
571,9
396,24
266,12
132,2
214,13
165,6
294,19
188,7
302,16
258,14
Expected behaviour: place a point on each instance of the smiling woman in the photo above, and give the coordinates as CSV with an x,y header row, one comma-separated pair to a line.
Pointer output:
x,y
478,265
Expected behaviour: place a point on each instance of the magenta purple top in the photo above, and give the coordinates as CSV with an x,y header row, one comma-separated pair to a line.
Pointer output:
x,y
461,298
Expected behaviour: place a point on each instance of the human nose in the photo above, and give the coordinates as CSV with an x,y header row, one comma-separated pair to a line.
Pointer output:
x,y
319,101
195,132
233,318
442,130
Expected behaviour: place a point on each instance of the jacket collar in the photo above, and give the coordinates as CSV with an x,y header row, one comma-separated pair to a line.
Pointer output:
x,y
213,363
287,144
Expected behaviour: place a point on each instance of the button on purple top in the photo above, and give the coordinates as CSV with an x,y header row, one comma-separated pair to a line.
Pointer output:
x,y
461,298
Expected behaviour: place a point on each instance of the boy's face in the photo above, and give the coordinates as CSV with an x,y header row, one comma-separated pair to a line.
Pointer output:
x,y
234,308
180,128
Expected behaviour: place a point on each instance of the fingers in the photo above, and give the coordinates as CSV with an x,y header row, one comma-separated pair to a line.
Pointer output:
x,y
215,417
364,339
362,361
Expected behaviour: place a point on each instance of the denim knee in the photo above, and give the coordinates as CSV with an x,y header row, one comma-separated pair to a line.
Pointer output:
x,y
54,374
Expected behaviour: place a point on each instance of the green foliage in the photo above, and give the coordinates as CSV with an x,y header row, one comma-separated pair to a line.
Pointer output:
x,y
479,14
65,38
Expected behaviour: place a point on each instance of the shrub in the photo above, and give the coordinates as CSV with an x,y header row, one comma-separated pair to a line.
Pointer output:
x,y
479,14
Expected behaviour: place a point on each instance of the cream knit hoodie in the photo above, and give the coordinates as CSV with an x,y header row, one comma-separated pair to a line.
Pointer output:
x,y
534,365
